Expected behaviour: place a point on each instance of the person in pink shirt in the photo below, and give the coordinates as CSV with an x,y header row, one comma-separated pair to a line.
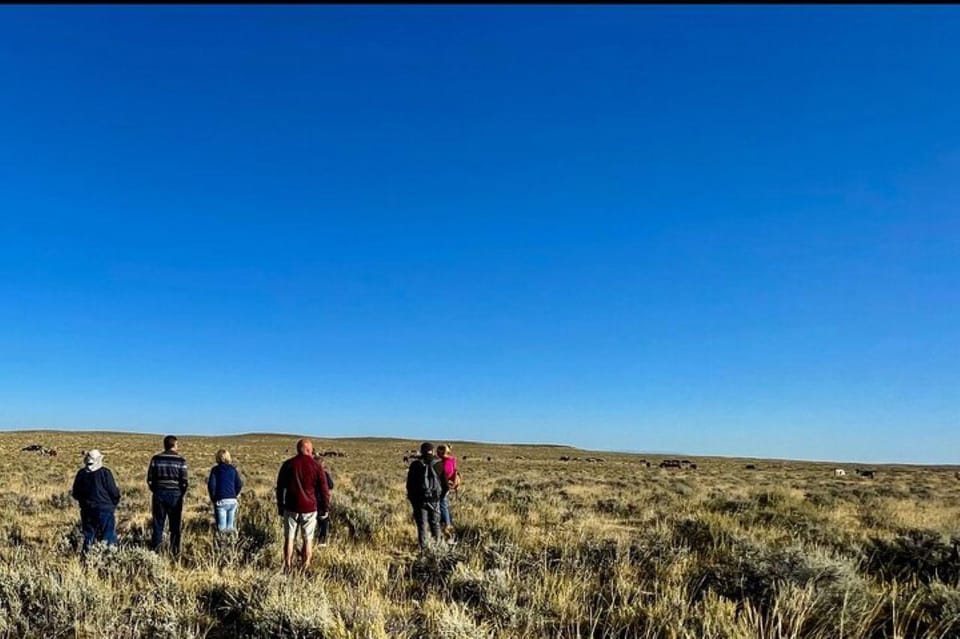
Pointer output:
x,y
449,464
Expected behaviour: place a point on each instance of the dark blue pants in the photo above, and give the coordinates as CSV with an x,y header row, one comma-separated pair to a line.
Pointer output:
x,y
98,525
167,505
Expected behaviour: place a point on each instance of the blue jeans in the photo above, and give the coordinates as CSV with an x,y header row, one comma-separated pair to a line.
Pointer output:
x,y
96,525
226,514
167,504
445,518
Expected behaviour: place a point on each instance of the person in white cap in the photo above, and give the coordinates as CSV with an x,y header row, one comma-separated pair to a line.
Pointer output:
x,y
97,493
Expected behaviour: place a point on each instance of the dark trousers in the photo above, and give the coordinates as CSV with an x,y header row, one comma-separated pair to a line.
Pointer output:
x,y
167,504
323,526
427,516
98,524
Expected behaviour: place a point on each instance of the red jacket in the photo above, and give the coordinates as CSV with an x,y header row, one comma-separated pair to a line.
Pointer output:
x,y
302,486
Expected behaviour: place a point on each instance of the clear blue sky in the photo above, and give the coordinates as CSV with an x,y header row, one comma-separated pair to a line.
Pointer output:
x,y
719,230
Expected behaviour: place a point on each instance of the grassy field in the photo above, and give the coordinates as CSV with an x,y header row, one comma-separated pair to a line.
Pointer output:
x,y
548,548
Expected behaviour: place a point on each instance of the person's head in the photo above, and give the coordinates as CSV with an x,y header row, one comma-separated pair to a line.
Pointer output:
x,y
305,447
426,449
443,450
93,460
223,456
170,442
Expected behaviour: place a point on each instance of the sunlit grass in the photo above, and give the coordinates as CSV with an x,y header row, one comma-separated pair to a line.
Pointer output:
x,y
547,548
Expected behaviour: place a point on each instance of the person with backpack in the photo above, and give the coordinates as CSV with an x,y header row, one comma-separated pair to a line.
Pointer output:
x,y
167,479
224,485
426,488
96,491
449,465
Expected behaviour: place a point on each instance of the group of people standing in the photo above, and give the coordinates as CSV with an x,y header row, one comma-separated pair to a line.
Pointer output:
x,y
431,478
98,495
302,495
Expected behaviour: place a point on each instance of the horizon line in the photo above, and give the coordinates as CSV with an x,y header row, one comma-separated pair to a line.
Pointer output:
x,y
480,443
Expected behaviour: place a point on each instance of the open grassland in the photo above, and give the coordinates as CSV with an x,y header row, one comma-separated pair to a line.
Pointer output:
x,y
548,549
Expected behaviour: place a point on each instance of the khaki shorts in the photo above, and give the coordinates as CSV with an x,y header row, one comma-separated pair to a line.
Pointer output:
x,y
304,521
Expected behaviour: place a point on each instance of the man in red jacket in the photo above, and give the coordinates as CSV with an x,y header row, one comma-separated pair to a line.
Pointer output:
x,y
302,492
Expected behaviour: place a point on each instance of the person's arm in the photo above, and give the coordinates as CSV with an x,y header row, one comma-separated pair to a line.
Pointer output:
x,y
183,477
323,493
75,491
112,489
239,481
212,484
151,474
281,487
444,482
413,494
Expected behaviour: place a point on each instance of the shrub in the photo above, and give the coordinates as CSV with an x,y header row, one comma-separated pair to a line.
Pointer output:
x,y
432,569
61,501
488,591
618,508
918,554
134,567
701,533
748,572
164,610
12,535
359,519
36,601
940,610
226,600
358,570
280,606
437,620
258,526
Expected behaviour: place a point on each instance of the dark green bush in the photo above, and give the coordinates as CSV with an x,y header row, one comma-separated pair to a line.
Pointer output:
x,y
923,555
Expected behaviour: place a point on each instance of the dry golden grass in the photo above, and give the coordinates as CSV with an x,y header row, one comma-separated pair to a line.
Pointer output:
x,y
548,549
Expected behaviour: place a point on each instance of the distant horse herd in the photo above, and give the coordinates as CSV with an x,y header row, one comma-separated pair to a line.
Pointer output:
x,y
37,448
677,464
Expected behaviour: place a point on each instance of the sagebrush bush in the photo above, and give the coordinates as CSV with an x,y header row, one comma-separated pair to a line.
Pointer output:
x,y
438,620
355,519
923,555
489,592
280,606
37,602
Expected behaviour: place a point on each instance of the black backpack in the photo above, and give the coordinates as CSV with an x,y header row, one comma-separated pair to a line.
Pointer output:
x,y
432,490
